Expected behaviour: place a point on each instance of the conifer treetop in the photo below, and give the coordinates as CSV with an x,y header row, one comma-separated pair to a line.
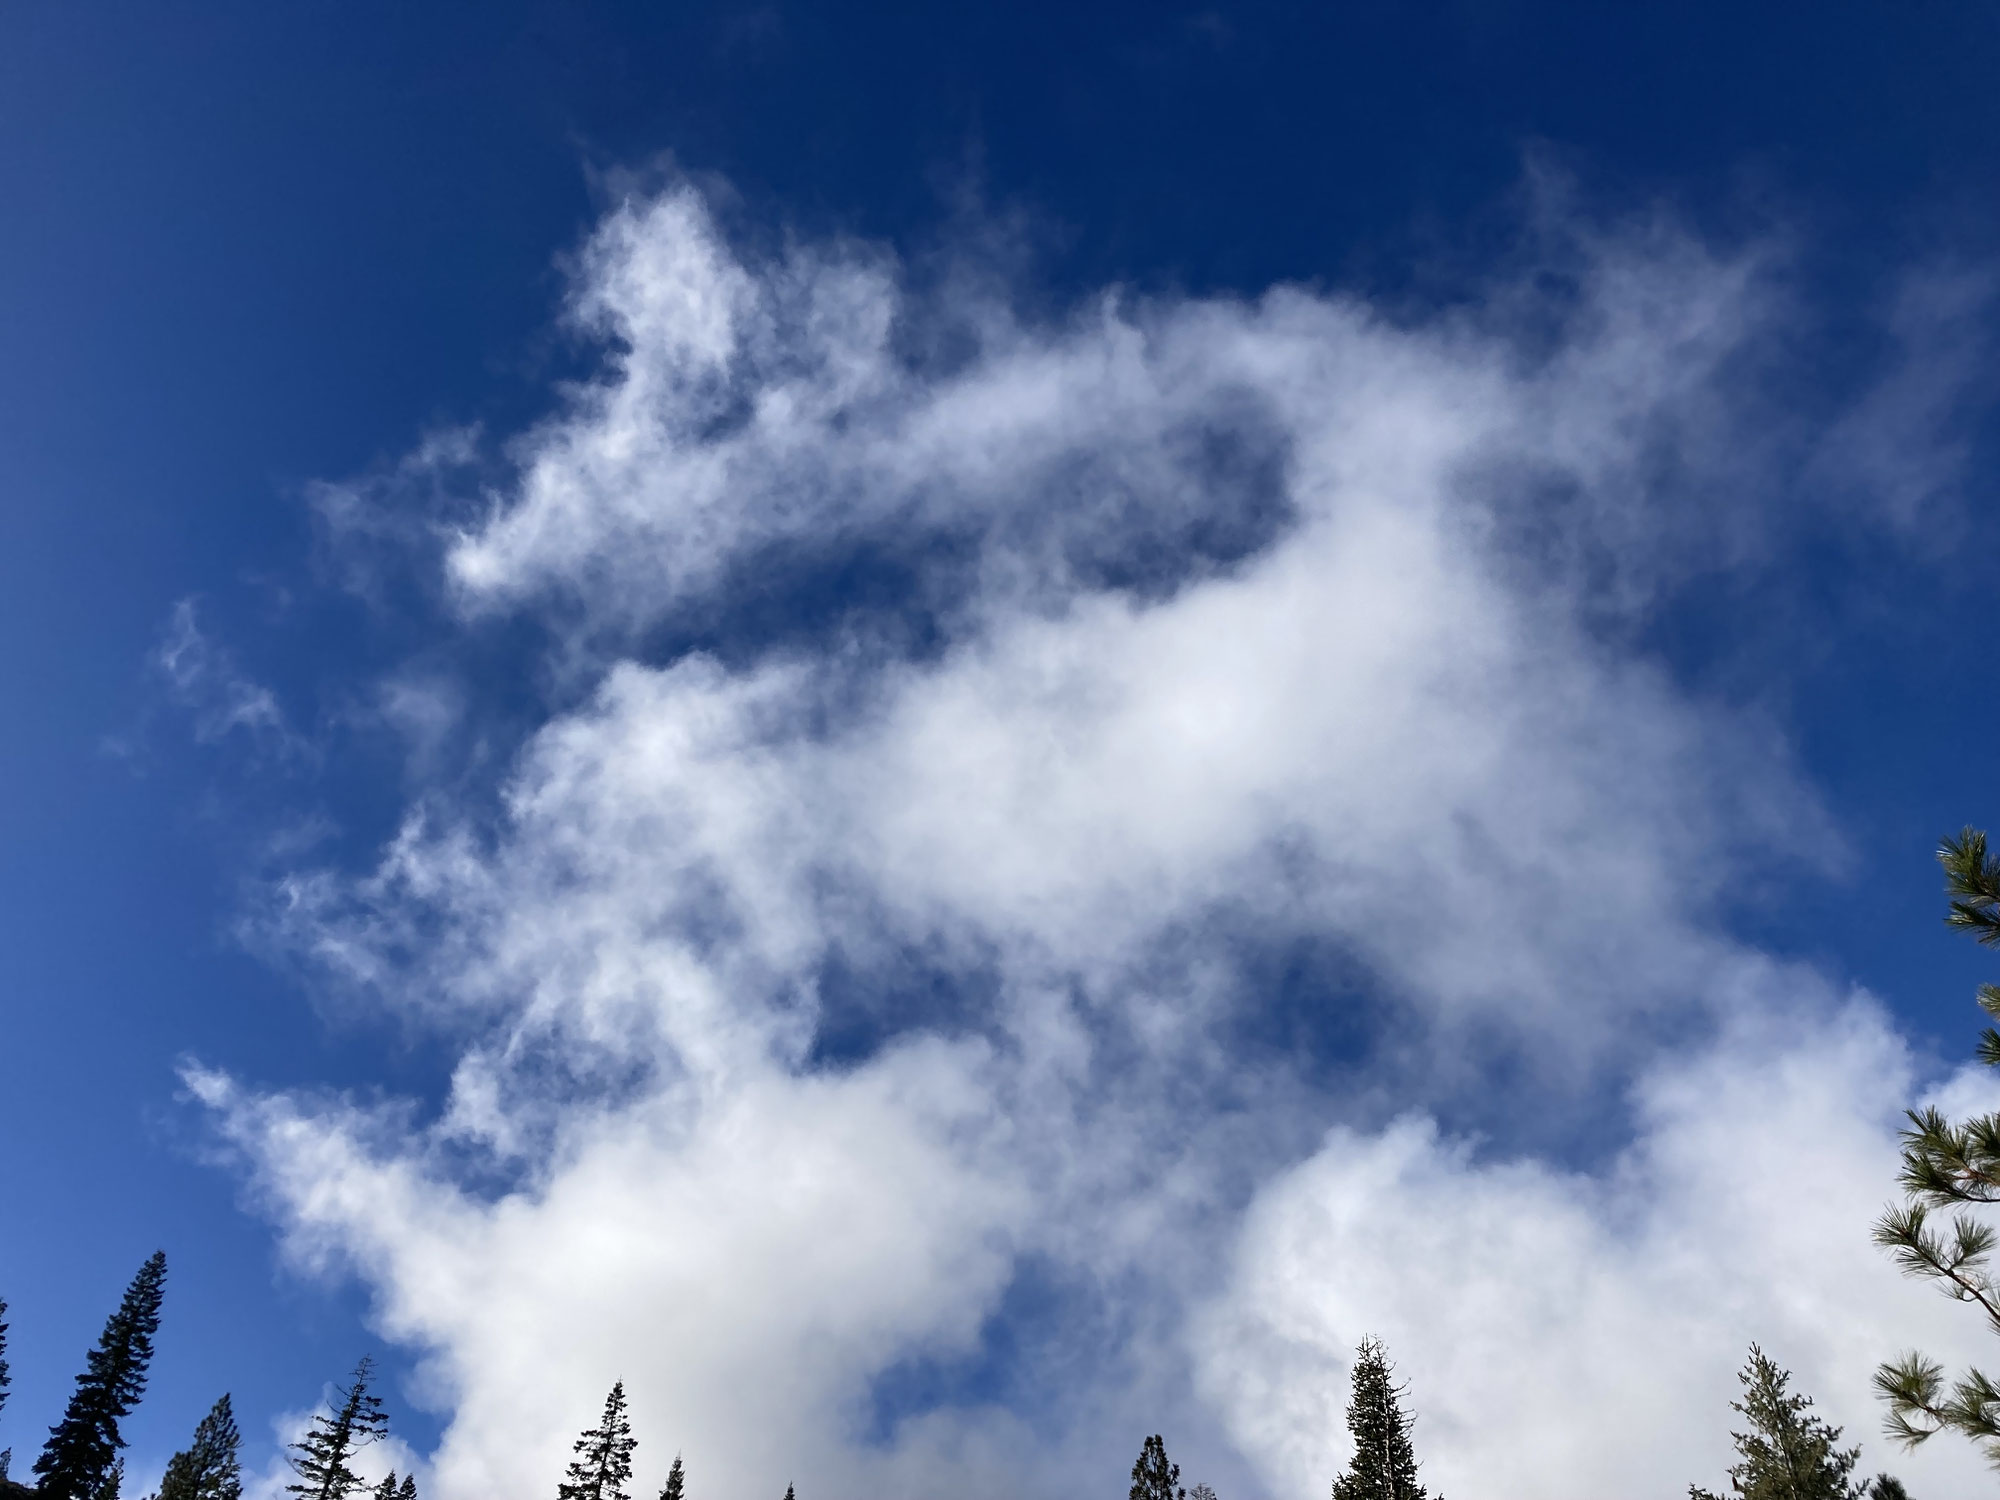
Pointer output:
x,y
1153,1478
676,1483
1384,1466
77,1462
323,1459
1789,1453
602,1468
208,1468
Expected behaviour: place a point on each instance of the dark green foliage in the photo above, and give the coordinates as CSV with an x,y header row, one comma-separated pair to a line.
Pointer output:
x,y
1201,1492
391,1488
111,1483
1951,1167
676,1482
78,1461
1384,1465
208,1468
1886,1487
3,1365
1153,1478
603,1463
1788,1453
788,1493
324,1458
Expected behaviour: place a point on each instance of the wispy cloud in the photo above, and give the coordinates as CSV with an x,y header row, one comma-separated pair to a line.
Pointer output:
x,y
882,1015
210,687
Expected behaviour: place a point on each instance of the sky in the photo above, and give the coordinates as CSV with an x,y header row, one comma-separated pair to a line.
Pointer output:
x,y
955,733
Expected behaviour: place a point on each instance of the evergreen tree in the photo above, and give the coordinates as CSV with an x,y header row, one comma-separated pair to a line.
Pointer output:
x,y
1384,1465
1153,1478
788,1493
407,1490
324,1458
603,1463
113,1481
1201,1492
676,1482
1887,1487
77,1462
1788,1453
6,1454
208,1468
1947,1166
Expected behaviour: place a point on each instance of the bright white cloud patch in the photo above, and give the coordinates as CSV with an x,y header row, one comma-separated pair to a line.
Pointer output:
x,y
881,1022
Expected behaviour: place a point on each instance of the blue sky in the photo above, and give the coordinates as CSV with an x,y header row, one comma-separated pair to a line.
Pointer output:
x,y
1550,439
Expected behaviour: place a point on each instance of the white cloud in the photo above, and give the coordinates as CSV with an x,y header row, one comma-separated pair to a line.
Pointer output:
x,y
209,685
1253,625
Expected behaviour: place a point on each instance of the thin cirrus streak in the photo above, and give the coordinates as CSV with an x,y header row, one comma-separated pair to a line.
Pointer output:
x,y
870,1015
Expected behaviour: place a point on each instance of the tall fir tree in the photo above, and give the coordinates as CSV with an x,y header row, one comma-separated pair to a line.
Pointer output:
x,y
1789,1453
602,1467
676,1483
6,1454
1153,1478
1384,1466
209,1467
324,1458
788,1493
82,1448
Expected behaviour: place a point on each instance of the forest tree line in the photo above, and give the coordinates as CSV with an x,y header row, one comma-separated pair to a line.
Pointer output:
x,y
1786,1452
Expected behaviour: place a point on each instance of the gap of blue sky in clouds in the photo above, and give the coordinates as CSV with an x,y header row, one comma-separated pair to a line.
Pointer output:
x,y
248,253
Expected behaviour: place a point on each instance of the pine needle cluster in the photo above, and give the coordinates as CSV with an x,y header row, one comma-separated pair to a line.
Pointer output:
x,y
1951,1168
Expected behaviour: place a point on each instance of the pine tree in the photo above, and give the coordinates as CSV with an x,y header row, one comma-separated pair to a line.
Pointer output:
x,y
323,1459
1947,1166
77,1462
1789,1453
386,1490
1201,1492
1153,1478
112,1482
208,1468
407,1490
603,1463
788,1493
1384,1465
676,1482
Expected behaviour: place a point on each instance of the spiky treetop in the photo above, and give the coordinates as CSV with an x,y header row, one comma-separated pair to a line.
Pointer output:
x,y
676,1482
77,1462
207,1469
3,1355
788,1493
323,1459
1384,1465
1788,1453
603,1464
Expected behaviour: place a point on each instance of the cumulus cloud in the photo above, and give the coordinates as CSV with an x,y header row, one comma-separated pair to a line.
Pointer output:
x,y
1019,787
